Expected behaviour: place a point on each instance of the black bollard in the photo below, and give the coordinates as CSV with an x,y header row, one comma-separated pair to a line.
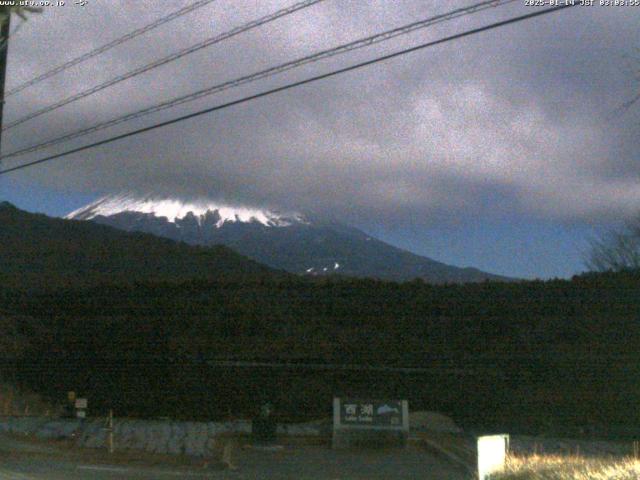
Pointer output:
x,y
263,426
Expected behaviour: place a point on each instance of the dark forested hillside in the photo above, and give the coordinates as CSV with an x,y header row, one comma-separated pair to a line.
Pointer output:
x,y
521,355
530,354
37,251
597,313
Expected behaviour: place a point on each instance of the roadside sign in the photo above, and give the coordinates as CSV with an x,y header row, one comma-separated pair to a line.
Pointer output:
x,y
354,417
371,413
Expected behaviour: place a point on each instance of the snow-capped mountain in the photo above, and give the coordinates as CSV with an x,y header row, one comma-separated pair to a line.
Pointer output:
x,y
287,241
175,210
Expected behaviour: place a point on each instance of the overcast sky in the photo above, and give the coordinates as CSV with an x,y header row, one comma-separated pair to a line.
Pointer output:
x,y
504,150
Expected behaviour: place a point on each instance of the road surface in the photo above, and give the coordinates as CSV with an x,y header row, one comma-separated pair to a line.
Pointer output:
x,y
22,459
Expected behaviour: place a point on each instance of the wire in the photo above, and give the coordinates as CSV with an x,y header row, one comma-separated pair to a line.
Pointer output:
x,y
293,85
108,46
364,42
163,61
333,366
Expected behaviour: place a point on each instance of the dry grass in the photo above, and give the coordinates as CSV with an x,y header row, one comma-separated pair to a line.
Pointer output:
x,y
16,402
556,467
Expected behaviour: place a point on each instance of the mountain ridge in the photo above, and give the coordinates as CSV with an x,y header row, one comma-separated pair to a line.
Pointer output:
x,y
291,242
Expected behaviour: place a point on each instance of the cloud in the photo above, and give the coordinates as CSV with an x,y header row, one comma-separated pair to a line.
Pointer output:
x,y
517,120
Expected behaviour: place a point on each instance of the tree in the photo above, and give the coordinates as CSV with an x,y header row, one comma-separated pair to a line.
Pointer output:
x,y
616,250
633,68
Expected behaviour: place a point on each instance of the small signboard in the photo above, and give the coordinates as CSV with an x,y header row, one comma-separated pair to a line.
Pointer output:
x,y
362,415
81,407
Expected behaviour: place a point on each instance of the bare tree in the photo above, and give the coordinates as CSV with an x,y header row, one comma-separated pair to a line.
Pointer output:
x,y
633,70
616,250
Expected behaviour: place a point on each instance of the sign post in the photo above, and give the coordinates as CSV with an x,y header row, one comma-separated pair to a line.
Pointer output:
x,y
369,422
110,432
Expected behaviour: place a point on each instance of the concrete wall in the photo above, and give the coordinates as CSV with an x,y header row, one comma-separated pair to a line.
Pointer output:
x,y
198,439
185,438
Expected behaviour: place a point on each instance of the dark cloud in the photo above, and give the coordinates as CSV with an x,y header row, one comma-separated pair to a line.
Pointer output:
x,y
520,118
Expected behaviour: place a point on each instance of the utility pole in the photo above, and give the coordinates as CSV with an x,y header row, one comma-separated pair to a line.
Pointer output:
x,y
4,49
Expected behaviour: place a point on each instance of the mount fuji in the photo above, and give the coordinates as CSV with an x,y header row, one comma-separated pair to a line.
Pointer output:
x,y
284,240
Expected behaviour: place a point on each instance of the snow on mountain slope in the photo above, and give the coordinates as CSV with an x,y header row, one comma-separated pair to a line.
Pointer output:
x,y
320,247
174,210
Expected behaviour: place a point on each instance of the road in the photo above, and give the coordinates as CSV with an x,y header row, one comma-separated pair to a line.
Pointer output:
x,y
26,460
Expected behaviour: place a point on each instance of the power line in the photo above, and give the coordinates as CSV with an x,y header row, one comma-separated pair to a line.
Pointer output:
x,y
354,45
108,46
293,85
163,61
335,366
115,362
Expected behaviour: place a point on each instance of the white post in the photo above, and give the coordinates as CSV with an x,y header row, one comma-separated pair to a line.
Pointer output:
x,y
336,421
405,415
492,454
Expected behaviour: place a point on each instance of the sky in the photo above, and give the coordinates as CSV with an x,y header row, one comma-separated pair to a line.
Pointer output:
x,y
505,150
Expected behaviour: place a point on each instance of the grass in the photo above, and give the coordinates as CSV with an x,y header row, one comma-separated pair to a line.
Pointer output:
x,y
556,467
